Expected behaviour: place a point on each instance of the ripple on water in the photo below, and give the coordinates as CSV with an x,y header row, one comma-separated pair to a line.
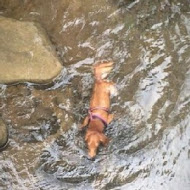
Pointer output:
x,y
149,149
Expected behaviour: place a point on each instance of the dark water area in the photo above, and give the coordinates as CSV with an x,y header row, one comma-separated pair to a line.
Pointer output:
x,y
149,42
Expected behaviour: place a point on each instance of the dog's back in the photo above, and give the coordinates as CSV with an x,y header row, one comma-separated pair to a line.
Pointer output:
x,y
101,90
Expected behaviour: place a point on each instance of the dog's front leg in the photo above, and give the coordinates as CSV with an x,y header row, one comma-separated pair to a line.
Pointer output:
x,y
110,118
84,124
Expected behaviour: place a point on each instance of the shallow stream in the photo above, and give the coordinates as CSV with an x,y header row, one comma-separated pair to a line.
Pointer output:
x,y
149,42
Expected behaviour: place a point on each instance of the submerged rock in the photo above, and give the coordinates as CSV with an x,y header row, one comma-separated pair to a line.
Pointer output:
x,y
35,114
26,53
3,135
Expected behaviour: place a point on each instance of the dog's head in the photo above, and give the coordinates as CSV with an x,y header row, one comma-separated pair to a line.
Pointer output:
x,y
93,141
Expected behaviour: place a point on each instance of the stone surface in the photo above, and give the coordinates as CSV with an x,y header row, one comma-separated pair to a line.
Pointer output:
x,y
26,53
3,134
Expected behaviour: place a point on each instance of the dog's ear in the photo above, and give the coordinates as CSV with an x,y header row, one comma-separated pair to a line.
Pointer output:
x,y
103,139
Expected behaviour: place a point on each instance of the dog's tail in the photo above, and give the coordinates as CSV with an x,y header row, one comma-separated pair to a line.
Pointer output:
x,y
102,69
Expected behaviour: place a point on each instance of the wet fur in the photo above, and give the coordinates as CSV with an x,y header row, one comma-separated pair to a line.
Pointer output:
x,y
100,98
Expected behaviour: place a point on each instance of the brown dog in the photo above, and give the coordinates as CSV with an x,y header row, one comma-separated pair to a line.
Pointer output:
x,y
99,117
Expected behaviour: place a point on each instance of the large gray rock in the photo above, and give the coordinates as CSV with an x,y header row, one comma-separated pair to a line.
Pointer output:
x,y
3,134
26,54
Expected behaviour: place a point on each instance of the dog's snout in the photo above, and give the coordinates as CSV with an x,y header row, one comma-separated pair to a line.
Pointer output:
x,y
91,158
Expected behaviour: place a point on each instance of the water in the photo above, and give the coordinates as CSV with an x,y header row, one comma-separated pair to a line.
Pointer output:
x,y
149,42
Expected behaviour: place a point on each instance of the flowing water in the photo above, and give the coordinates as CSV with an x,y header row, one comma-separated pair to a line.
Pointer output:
x,y
149,42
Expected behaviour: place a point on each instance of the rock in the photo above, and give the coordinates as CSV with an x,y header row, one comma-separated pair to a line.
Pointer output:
x,y
26,53
3,134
